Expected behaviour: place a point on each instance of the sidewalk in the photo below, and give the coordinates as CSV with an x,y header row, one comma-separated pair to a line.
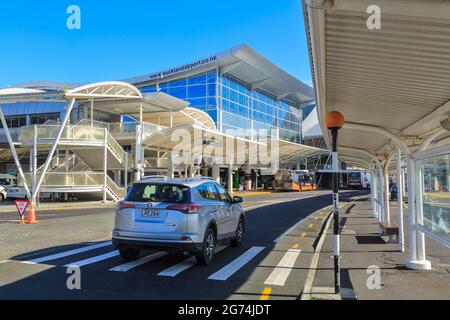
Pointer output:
x,y
362,246
10,206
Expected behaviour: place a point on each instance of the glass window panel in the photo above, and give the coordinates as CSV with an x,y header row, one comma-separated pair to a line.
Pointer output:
x,y
178,83
211,89
151,88
197,91
212,76
198,102
197,79
179,92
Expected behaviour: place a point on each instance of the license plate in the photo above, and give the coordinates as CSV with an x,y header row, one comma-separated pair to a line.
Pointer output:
x,y
150,213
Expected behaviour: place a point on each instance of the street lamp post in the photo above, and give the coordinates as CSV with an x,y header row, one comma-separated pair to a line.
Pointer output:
x,y
334,121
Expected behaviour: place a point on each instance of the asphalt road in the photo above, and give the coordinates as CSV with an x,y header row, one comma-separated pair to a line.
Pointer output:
x,y
272,264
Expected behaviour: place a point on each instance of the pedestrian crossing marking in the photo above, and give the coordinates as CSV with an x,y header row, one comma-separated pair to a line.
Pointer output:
x,y
68,253
136,263
231,268
92,260
282,271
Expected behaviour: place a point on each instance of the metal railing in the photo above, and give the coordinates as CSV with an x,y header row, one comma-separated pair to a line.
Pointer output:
x,y
79,179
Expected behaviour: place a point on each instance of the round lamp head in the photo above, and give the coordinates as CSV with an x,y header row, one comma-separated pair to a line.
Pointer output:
x,y
334,120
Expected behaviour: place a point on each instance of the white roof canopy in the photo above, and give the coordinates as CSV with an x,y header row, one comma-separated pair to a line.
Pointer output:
x,y
396,78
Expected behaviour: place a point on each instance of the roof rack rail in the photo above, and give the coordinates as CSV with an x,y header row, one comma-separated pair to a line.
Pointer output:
x,y
155,177
200,178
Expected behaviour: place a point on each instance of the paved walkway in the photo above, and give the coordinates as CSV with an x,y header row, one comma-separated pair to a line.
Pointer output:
x,y
362,246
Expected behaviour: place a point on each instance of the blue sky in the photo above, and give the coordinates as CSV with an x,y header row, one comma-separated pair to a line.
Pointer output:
x,y
120,39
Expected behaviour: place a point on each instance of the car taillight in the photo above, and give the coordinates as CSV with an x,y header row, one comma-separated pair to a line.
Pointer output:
x,y
185,208
125,205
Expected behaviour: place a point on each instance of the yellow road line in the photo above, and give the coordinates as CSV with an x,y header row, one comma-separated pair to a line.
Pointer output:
x,y
296,246
265,294
311,225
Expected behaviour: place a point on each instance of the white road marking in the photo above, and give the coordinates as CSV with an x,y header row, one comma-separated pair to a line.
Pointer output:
x,y
184,265
133,264
69,253
95,259
280,274
231,268
178,268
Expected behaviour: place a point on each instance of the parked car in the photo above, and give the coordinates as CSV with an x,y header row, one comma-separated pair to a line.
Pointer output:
x,y
19,193
3,194
16,193
190,215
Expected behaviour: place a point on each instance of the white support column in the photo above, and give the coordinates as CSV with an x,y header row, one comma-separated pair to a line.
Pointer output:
x,y
137,154
421,254
401,237
372,192
170,168
92,112
52,150
380,194
216,172
230,178
105,164
386,195
414,262
14,153
66,168
34,165
125,178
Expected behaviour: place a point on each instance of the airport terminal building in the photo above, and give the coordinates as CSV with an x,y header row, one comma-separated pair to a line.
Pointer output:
x,y
236,92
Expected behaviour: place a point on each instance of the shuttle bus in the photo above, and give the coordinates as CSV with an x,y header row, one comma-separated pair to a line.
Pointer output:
x,y
295,180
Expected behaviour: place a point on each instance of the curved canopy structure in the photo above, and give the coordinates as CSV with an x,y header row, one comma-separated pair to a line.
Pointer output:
x,y
186,116
11,95
105,90
150,102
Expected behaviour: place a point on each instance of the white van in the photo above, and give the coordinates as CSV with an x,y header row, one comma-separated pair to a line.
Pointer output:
x,y
7,181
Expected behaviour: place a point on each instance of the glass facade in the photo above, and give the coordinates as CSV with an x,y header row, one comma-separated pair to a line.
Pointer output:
x,y
242,109
433,195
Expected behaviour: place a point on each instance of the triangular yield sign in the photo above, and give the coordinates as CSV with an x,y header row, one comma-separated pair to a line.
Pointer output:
x,y
21,207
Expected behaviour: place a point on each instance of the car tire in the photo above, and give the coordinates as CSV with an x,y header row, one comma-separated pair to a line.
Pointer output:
x,y
129,254
206,255
239,239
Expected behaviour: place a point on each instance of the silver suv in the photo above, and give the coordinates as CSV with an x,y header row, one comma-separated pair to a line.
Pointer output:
x,y
191,215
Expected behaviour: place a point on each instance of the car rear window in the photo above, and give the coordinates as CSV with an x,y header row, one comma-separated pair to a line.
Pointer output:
x,y
148,192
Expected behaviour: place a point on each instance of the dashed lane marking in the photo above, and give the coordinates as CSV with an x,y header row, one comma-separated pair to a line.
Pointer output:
x,y
231,268
133,264
69,253
265,294
282,271
92,260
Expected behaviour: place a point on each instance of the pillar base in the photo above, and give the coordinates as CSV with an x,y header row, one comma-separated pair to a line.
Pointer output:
x,y
418,265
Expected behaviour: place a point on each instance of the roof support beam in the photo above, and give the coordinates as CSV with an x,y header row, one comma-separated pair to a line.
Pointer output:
x,y
257,84
229,68
379,130
284,95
